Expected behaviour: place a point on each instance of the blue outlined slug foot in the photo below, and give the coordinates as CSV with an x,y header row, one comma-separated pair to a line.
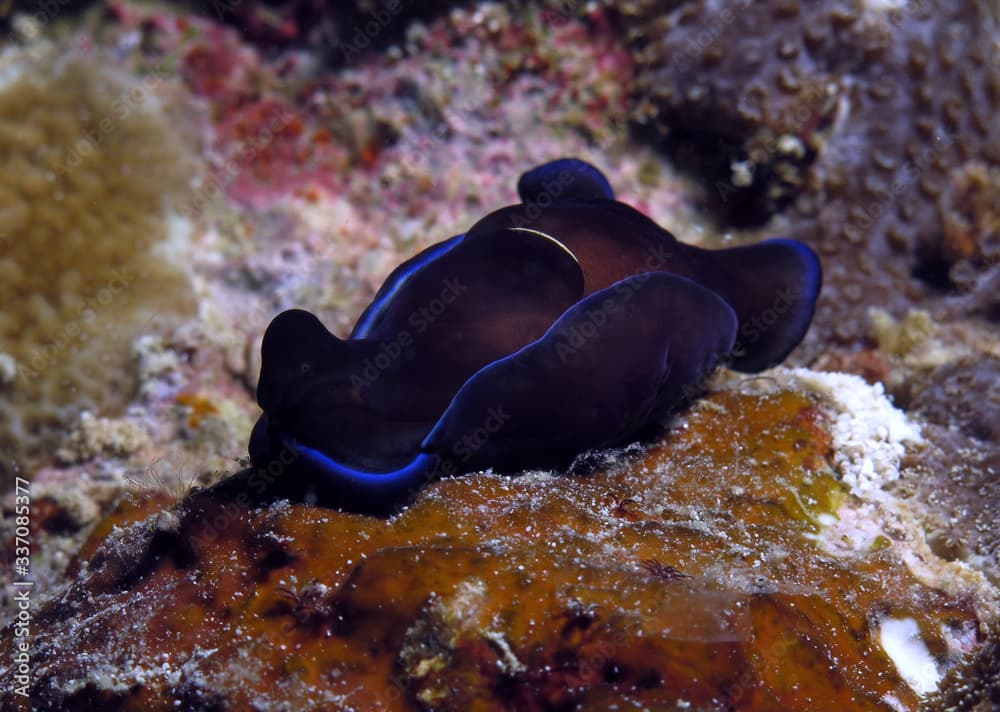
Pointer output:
x,y
567,322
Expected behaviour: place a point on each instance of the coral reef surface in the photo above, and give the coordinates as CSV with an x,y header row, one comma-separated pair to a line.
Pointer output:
x,y
804,542
752,560
88,161
864,127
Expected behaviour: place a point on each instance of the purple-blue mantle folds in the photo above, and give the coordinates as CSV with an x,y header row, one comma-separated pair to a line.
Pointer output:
x,y
567,322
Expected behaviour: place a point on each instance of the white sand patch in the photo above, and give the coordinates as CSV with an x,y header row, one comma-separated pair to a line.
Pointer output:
x,y
900,638
885,5
870,437
869,433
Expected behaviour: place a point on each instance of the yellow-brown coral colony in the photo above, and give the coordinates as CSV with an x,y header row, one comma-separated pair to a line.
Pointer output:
x,y
87,165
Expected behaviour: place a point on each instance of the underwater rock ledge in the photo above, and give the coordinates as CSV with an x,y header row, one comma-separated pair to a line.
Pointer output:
x,y
752,559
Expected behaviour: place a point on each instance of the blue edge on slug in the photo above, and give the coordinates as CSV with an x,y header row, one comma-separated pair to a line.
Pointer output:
x,y
544,180
390,485
371,483
377,308
423,465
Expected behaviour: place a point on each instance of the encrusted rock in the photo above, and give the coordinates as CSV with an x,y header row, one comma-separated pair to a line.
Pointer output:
x,y
752,559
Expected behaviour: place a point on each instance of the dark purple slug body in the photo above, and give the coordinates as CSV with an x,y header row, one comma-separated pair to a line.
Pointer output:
x,y
561,324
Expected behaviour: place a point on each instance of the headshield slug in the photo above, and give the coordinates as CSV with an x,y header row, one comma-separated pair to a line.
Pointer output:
x,y
567,322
